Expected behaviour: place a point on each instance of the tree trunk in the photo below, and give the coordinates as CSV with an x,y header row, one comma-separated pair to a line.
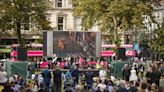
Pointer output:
x,y
115,30
115,35
19,35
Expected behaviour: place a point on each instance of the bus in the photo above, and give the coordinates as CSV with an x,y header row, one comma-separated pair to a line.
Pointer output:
x,y
34,52
107,50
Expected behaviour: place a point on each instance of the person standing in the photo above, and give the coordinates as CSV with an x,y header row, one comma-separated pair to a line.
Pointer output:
x,y
135,65
102,74
142,69
75,75
155,76
46,78
57,74
89,78
3,76
133,75
40,79
38,65
126,72
149,75
29,69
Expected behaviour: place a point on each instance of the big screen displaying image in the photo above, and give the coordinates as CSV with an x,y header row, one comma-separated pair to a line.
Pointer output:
x,y
74,44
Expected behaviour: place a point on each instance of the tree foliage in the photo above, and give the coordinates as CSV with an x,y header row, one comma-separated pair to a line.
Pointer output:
x,y
113,15
14,13
158,40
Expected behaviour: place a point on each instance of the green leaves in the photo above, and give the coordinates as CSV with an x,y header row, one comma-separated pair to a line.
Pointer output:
x,y
14,12
128,13
17,10
158,40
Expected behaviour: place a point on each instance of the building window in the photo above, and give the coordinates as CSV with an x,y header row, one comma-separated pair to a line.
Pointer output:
x,y
59,3
60,23
158,15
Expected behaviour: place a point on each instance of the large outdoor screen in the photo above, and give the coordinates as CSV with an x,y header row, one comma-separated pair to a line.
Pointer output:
x,y
72,44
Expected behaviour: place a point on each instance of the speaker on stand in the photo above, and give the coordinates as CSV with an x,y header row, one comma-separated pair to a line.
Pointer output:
x,y
121,53
21,54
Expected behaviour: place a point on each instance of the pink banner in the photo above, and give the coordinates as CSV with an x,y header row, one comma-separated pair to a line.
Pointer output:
x,y
129,53
107,53
30,53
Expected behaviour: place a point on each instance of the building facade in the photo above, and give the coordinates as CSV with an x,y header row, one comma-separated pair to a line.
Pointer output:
x,y
61,15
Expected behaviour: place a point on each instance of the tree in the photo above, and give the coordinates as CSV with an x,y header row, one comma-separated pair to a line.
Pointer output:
x,y
114,15
15,13
157,43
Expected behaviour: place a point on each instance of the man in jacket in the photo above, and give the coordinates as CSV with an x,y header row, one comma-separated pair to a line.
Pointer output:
x,y
46,78
89,78
75,75
156,75
57,73
126,72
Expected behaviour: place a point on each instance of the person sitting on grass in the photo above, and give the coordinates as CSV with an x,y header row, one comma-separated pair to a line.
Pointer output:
x,y
7,88
42,87
132,88
69,88
161,82
78,88
68,80
102,85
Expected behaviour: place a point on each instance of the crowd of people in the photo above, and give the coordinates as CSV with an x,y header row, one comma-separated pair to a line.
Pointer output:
x,y
136,78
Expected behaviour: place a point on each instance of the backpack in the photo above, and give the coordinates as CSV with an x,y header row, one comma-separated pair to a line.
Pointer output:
x,y
68,75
